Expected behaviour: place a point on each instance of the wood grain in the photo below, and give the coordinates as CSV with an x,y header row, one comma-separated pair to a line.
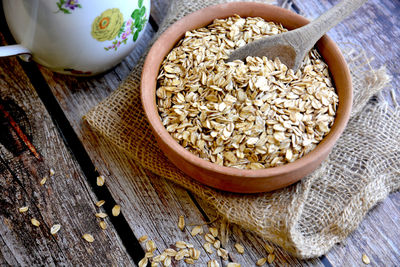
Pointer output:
x,y
148,201
80,102
374,27
66,198
159,9
7,258
378,236
150,204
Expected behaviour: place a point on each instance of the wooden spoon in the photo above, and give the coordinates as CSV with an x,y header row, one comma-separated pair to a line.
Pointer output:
x,y
291,47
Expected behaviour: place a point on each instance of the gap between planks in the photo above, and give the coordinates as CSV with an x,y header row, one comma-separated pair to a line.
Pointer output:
x,y
78,151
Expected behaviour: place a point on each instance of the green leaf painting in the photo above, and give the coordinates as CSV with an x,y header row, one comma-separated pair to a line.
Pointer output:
x,y
136,35
135,14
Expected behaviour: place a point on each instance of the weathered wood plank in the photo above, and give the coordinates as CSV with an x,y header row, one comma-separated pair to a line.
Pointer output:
x,y
148,201
374,28
123,174
378,236
6,256
150,204
158,10
159,202
66,198
82,99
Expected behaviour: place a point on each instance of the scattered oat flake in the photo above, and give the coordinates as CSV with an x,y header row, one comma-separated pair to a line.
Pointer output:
x,y
261,261
239,248
149,254
100,203
101,215
194,253
271,258
213,231
170,252
207,248
23,209
223,253
189,261
88,237
143,262
55,228
35,222
116,210
212,263
217,244
180,244
209,238
100,180
43,181
150,246
233,264
268,248
197,230
159,258
103,225
365,259
52,172
167,261
181,222
181,254
143,238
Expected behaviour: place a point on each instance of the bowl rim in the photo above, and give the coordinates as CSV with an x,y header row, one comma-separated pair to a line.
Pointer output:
x,y
148,88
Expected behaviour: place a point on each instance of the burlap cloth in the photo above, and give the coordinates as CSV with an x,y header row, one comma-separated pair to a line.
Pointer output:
x,y
307,218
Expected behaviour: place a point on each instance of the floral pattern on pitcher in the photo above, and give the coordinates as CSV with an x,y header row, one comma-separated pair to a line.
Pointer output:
x,y
107,26
124,32
110,26
67,6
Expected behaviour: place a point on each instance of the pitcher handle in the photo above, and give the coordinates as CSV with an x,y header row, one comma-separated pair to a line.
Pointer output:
x,y
15,50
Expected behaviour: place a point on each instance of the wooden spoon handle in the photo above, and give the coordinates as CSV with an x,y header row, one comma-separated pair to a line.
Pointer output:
x,y
313,31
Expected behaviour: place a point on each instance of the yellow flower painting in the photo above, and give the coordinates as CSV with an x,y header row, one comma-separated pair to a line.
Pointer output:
x,y
107,25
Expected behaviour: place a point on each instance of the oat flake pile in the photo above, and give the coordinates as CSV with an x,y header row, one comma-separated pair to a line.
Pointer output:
x,y
307,218
248,115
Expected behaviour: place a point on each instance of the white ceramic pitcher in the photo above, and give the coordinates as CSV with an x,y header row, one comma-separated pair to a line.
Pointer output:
x,y
79,37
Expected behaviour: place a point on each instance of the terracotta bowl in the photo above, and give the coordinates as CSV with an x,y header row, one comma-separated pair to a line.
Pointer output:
x,y
228,178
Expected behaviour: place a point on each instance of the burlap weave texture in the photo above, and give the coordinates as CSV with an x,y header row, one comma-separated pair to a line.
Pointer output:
x,y
307,218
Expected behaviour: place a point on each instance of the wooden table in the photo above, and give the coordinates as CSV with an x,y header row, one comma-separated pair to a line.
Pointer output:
x,y
47,108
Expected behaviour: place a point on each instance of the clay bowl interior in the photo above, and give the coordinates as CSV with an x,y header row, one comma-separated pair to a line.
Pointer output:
x,y
228,178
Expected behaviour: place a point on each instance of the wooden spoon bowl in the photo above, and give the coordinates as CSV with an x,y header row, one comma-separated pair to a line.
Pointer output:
x,y
227,178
